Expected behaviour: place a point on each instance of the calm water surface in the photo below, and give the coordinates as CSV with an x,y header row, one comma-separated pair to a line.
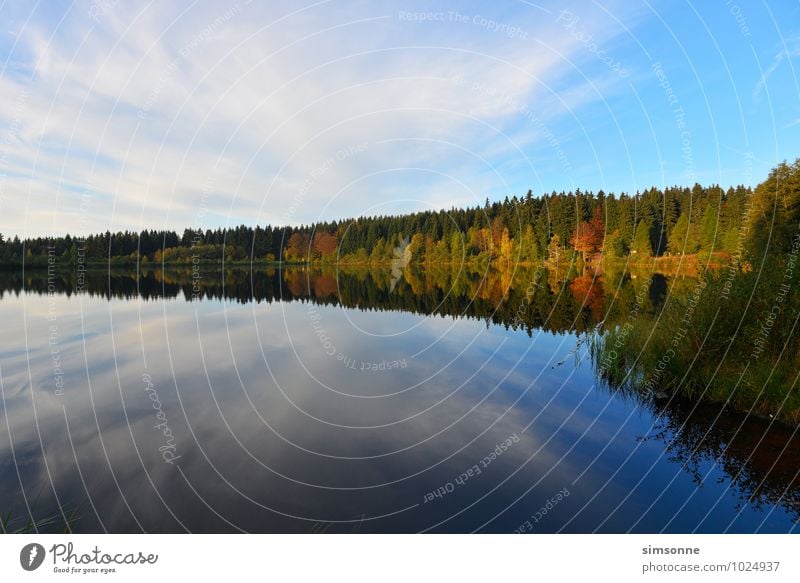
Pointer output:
x,y
303,401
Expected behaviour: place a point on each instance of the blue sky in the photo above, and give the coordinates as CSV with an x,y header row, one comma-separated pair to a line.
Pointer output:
x,y
118,115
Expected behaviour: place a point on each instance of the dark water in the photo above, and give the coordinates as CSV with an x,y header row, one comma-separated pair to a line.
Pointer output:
x,y
359,401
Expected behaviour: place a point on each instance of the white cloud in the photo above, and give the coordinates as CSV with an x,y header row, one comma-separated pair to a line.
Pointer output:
x,y
146,108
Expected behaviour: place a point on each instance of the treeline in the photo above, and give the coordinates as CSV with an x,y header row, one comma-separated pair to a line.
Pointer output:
x,y
530,228
238,244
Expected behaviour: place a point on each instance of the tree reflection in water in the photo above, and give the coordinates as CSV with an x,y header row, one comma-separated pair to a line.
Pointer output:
x,y
761,456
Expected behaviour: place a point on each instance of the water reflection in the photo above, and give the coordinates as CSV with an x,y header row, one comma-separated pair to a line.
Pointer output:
x,y
311,400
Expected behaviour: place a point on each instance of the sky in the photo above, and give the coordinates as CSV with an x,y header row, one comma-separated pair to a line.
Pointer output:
x,y
148,115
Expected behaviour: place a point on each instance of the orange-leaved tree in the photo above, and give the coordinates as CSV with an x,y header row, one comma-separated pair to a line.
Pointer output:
x,y
588,237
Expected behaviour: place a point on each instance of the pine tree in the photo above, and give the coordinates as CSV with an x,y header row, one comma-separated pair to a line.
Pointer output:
x,y
683,238
642,245
775,212
708,228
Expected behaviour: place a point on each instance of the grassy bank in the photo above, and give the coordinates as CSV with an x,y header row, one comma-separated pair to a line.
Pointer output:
x,y
732,339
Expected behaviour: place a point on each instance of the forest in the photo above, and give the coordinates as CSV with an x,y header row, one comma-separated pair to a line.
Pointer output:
x,y
704,221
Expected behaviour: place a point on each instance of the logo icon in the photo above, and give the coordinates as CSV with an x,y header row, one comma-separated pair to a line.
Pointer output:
x,y
31,556
402,256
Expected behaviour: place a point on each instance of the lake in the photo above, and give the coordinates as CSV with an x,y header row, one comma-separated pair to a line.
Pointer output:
x,y
360,400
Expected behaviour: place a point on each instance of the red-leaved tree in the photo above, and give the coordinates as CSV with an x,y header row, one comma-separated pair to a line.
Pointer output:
x,y
325,244
588,237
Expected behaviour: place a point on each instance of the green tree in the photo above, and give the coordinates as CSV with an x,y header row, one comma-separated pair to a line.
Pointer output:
x,y
775,212
683,237
642,245
708,228
614,246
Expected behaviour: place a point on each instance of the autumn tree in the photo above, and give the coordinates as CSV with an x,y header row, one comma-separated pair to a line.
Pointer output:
x,y
588,236
297,247
415,250
587,290
325,245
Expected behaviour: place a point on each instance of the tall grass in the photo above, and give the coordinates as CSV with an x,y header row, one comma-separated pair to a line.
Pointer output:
x,y
732,340
55,523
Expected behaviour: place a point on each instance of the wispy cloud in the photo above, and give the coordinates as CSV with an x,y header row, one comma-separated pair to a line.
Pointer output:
x,y
777,60
129,113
